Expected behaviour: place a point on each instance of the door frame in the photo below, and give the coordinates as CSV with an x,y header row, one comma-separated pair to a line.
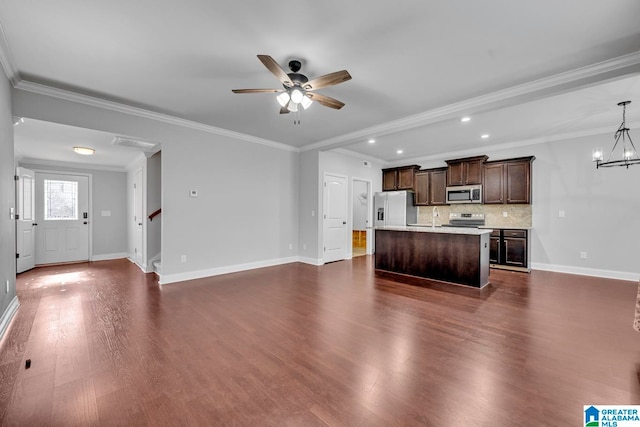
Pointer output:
x,y
369,227
20,218
89,201
346,242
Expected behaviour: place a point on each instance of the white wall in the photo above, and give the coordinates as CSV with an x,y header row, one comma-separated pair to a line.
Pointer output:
x,y
109,238
8,300
308,208
245,214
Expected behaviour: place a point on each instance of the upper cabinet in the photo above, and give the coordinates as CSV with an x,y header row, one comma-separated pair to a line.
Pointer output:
x,y
467,171
508,181
401,178
430,187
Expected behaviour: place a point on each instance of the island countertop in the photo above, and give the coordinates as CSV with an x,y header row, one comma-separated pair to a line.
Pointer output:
x,y
450,254
437,229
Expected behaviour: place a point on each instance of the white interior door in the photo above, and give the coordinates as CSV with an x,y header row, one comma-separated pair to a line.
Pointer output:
x,y
62,215
138,220
25,220
334,217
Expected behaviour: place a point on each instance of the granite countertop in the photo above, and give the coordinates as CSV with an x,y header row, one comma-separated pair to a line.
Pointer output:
x,y
437,229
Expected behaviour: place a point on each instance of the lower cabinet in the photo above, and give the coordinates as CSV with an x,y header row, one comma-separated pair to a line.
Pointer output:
x,y
509,249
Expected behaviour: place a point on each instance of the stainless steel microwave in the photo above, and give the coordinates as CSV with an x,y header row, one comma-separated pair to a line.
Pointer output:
x,y
464,194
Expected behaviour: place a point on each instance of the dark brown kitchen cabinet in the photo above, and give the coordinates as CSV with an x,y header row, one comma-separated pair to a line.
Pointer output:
x,y
515,248
467,171
430,187
509,249
507,181
401,178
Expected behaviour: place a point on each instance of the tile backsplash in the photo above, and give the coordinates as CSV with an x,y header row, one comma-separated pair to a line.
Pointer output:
x,y
517,215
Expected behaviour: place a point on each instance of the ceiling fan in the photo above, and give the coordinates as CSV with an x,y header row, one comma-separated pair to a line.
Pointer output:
x,y
297,89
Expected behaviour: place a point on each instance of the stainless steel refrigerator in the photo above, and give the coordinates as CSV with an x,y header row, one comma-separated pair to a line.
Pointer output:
x,y
394,208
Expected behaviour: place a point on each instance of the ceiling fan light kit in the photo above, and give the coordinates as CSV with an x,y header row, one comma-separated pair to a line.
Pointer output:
x,y
629,153
298,89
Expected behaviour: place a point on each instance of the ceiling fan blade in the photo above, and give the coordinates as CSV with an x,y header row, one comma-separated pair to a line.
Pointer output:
x,y
327,101
276,69
328,80
257,90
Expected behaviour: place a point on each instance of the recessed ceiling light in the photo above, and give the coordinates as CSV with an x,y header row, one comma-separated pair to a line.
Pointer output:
x,y
85,151
484,136
372,141
465,119
399,151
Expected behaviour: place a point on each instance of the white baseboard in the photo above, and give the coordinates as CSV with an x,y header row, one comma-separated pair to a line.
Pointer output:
x,y
144,268
106,257
7,316
311,261
607,274
198,274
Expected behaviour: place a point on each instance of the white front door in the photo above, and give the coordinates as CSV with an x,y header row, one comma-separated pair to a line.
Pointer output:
x,y
334,217
138,221
62,215
25,220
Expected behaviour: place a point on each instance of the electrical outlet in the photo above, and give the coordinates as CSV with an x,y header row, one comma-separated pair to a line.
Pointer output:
x,y
183,259
583,255
505,214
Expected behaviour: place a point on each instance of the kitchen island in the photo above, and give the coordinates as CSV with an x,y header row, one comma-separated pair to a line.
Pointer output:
x,y
449,254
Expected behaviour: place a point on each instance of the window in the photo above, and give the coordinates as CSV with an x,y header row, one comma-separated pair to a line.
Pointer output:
x,y
60,200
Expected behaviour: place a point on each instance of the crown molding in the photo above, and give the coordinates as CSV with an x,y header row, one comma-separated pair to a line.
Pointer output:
x,y
6,59
147,114
574,78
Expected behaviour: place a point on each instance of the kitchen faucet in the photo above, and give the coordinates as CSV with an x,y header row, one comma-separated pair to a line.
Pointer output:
x,y
434,214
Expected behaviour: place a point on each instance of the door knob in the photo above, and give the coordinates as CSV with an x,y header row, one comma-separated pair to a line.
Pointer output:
x,y
344,222
85,223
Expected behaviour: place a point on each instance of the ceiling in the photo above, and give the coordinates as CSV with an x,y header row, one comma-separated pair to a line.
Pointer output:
x,y
521,71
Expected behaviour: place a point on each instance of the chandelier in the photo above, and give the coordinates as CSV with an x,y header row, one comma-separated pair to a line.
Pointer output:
x,y
628,150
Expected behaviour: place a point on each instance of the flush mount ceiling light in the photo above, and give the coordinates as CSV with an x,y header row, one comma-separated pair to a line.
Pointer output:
x,y
85,151
465,119
628,150
298,89
484,136
372,141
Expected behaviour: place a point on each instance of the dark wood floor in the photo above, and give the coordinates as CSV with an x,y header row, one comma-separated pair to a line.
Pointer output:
x,y
301,345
